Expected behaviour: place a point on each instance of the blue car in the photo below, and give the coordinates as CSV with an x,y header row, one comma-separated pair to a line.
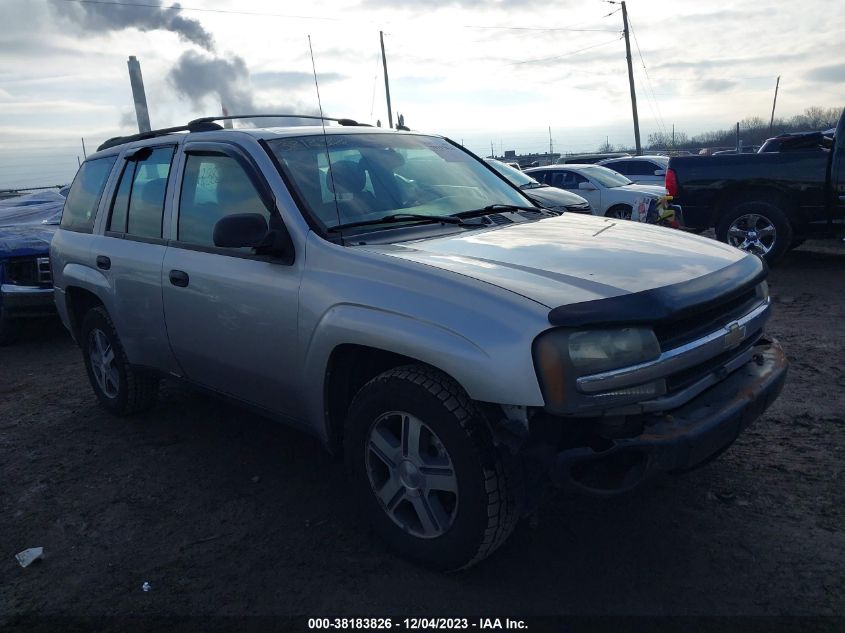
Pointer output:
x,y
27,225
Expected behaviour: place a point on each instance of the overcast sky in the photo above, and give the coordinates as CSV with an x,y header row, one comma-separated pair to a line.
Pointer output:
x,y
478,71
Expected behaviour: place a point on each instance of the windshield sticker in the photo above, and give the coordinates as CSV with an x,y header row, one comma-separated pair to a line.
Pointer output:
x,y
443,149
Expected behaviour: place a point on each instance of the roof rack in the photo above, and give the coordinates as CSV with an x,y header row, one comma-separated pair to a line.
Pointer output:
x,y
208,124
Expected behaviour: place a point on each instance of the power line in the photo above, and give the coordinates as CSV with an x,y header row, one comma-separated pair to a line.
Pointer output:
x,y
570,53
659,116
178,7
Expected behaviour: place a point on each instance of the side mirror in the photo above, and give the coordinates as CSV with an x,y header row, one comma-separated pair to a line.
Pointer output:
x,y
659,172
239,230
277,243
586,186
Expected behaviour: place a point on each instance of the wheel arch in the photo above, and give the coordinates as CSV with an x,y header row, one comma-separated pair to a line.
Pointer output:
x,y
79,301
768,192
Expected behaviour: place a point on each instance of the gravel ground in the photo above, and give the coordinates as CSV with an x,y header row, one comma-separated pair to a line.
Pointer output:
x,y
225,513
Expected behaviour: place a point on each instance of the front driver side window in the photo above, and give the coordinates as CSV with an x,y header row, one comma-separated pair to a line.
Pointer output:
x,y
212,188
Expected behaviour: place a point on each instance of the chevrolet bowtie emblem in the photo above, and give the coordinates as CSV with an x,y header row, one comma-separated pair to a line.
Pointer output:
x,y
736,333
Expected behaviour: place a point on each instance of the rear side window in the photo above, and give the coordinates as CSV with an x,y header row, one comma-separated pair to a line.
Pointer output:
x,y
642,168
213,187
621,166
84,196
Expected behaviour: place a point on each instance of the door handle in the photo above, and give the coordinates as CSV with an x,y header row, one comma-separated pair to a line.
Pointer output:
x,y
179,278
103,262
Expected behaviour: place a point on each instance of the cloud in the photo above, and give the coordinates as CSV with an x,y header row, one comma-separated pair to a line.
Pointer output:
x,y
717,85
150,16
831,74
293,79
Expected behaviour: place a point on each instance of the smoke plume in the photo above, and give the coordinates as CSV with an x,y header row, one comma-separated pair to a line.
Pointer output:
x,y
115,16
199,77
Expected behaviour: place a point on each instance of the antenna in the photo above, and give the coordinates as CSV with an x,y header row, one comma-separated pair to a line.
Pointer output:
x,y
325,139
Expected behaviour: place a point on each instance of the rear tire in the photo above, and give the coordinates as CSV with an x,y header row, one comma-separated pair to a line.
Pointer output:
x,y
120,388
404,485
757,226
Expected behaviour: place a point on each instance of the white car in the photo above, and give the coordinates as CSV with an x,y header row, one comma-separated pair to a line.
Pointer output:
x,y
643,170
609,193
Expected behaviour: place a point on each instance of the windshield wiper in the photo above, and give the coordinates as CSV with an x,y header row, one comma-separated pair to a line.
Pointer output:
x,y
492,208
403,217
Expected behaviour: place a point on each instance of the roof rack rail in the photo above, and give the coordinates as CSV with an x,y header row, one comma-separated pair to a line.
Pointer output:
x,y
208,124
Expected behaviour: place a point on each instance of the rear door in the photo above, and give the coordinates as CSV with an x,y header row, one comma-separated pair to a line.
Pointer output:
x,y
231,314
130,251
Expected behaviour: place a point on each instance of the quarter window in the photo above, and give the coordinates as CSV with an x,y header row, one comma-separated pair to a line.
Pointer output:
x,y
214,187
84,196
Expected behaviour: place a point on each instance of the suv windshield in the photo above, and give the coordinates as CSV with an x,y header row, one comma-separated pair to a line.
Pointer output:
x,y
604,176
372,176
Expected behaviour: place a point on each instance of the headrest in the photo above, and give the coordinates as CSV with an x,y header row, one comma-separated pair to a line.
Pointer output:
x,y
347,176
153,192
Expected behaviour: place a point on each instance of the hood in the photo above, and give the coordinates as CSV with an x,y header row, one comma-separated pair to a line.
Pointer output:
x,y
654,190
553,197
572,258
34,208
25,240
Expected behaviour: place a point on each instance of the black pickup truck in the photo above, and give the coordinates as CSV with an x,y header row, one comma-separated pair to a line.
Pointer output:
x,y
764,203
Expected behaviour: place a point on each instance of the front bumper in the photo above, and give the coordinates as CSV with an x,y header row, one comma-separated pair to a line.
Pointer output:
x,y
18,302
681,439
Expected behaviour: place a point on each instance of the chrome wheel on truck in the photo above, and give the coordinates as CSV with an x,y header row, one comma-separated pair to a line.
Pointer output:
x,y
754,233
756,225
412,475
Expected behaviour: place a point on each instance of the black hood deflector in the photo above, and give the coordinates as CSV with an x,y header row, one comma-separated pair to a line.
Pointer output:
x,y
668,303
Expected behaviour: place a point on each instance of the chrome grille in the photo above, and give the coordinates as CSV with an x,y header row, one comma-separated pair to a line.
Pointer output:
x,y
45,274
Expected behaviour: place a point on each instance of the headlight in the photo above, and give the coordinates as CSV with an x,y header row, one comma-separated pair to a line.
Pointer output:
x,y
561,356
595,351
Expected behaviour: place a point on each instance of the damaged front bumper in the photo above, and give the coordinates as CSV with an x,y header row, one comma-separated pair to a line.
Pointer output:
x,y
680,439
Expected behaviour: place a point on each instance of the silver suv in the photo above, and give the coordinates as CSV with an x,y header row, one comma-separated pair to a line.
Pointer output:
x,y
389,293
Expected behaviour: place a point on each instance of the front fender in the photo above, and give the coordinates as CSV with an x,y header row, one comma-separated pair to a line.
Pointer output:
x,y
491,375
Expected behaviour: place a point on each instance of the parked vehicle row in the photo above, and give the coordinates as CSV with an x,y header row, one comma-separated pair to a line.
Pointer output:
x,y
609,193
389,293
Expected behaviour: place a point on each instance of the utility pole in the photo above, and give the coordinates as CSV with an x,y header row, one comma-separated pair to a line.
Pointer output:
x,y
631,80
673,136
774,103
492,153
737,138
386,82
551,146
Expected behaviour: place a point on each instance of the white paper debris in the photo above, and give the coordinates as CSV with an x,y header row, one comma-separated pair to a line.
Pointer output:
x,y
29,556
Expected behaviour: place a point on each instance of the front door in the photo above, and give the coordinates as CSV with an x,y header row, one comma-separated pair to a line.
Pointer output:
x,y
231,314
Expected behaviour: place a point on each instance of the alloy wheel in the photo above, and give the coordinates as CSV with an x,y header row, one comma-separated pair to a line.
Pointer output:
x,y
101,354
411,474
754,233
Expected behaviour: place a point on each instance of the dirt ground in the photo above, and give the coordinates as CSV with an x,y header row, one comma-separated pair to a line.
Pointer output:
x,y
225,513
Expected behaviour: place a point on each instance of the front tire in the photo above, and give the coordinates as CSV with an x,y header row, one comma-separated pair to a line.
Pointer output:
x,y
426,471
120,388
756,226
620,212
